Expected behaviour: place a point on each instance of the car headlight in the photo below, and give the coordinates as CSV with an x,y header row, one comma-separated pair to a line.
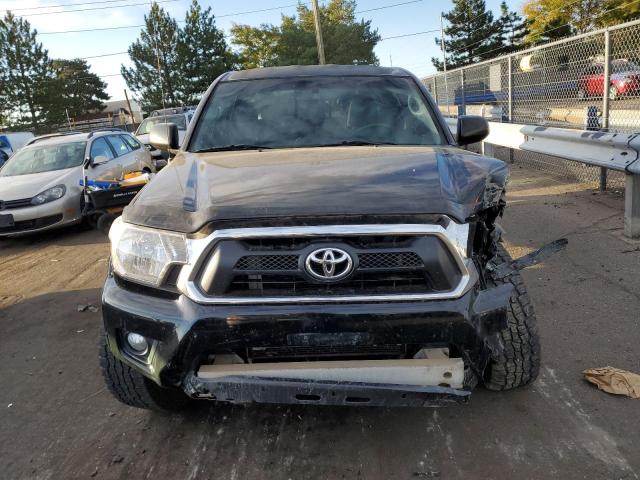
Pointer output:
x,y
49,195
144,255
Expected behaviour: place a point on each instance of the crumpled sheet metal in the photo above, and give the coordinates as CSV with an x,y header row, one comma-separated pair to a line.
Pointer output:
x,y
614,380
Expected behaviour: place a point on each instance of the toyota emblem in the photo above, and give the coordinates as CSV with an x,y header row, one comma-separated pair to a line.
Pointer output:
x,y
329,264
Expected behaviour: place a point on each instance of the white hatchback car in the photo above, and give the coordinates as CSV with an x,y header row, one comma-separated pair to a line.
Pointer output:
x,y
40,185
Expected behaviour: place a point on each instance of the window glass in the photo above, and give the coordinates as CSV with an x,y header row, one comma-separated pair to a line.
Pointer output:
x,y
304,112
132,142
145,126
44,158
119,145
100,148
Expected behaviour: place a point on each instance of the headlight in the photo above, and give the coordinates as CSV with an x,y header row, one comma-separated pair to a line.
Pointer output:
x,y
49,195
144,255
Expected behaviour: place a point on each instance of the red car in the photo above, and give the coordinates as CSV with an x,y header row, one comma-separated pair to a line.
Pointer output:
x,y
624,80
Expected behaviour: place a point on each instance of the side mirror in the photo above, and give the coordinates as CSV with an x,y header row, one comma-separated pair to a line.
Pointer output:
x,y
471,129
164,136
99,160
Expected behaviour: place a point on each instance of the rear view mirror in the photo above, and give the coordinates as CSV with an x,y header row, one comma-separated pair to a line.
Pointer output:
x,y
164,136
99,160
471,129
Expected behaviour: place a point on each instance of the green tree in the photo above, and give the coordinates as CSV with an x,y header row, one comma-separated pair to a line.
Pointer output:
x,y
258,44
25,74
76,89
293,42
552,19
470,36
513,30
156,47
203,53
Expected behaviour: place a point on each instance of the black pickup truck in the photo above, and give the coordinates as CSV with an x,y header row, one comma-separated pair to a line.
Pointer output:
x,y
319,238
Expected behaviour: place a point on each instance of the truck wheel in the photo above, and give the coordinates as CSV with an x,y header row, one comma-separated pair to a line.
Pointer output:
x,y
133,388
519,362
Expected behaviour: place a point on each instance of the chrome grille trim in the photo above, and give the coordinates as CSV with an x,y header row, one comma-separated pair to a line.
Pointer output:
x,y
451,236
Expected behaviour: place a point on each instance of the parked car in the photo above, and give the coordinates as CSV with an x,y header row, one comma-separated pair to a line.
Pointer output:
x,y
40,185
181,120
321,239
624,80
11,142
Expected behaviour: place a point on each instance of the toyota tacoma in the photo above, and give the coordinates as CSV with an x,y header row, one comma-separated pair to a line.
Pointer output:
x,y
320,237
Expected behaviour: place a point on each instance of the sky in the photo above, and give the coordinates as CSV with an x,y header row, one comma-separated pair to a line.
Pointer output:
x,y
413,52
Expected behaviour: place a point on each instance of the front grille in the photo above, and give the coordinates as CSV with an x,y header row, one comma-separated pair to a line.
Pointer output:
x,y
390,260
26,225
276,267
20,203
268,262
360,284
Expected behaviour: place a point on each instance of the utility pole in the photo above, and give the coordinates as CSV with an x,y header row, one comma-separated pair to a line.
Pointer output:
x,y
320,43
68,119
133,119
444,60
390,60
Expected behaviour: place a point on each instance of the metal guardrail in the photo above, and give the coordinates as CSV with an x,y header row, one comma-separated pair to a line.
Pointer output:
x,y
614,151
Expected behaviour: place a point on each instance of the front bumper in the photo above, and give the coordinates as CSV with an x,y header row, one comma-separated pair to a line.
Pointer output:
x,y
185,335
38,218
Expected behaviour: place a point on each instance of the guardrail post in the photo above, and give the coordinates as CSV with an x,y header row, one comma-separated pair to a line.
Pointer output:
x,y
632,206
605,98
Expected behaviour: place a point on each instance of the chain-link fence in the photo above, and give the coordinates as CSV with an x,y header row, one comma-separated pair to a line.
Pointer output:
x,y
589,81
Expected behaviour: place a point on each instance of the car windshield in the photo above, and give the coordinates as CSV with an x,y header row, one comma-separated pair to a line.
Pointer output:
x,y
305,112
145,126
44,158
624,66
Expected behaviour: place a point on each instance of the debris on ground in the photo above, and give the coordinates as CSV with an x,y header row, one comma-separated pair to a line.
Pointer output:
x,y
614,380
84,308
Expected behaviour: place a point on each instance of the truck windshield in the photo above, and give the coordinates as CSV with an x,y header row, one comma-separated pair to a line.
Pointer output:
x,y
145,126
44,158
309,112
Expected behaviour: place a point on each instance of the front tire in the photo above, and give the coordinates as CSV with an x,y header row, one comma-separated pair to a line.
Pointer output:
x,y
134,389
519,362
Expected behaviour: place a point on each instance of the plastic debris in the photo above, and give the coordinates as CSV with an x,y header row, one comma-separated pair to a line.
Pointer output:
x,y
84,308
614,380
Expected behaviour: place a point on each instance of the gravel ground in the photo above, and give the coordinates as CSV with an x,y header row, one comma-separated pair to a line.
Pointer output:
x,y
57,421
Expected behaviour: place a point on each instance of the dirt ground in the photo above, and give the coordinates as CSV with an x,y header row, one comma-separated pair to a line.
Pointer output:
x,y
57,421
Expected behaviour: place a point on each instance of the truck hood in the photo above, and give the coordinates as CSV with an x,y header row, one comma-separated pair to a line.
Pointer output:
x,y
197,189
27,186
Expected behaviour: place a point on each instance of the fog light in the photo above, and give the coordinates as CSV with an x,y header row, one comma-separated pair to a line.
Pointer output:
x,y
138,343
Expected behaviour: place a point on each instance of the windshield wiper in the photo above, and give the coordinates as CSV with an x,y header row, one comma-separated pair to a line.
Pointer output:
x,y
231,148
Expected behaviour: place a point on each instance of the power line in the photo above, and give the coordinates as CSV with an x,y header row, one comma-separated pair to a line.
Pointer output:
x,y
388,6
178,21
95,8
410,34
64,5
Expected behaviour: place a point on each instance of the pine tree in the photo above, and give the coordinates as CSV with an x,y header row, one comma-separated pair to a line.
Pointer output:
x,y
203,53
25,73
157,45
77,89
513,30
471,34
